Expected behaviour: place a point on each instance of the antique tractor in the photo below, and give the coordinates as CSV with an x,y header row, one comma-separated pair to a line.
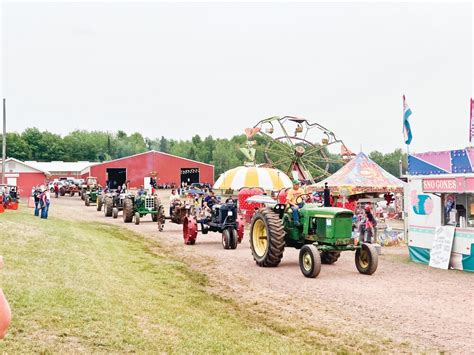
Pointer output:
x,y
223,219
89,184
69,188
323,233
139,206
179,210
113,203
94,195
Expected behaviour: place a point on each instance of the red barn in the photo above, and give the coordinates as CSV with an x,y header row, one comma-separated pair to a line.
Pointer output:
x,y
23,175
169,169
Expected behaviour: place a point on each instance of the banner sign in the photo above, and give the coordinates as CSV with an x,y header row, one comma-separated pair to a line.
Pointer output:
x,y
443,185
471,123
440,253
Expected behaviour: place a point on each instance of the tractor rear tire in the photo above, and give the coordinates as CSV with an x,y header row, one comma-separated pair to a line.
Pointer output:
x,y
127,210
366,259
137,218
267,238
160,215
310,261
330,257
108,206
115,212
99,202
87,201
189,230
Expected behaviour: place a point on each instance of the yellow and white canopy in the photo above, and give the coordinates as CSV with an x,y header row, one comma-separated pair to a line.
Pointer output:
x,y
243,176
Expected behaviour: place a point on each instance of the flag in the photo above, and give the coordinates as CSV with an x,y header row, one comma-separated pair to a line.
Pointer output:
x,y
471,127
406,124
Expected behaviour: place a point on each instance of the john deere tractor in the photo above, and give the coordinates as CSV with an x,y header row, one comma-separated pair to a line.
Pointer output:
x,y
94,195
322,234
141,205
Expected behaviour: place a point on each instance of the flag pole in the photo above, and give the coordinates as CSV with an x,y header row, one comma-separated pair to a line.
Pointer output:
x,y
4,139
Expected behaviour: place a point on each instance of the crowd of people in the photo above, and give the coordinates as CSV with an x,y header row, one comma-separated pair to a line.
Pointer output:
x,y
8,195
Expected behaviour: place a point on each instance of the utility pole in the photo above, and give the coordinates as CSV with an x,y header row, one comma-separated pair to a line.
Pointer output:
x,y
400,165
4,139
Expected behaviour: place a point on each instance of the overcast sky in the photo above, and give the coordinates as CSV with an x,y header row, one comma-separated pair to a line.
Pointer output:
x,y
181,69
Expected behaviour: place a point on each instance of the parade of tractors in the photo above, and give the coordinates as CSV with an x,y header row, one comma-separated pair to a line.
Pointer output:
x,y
320,233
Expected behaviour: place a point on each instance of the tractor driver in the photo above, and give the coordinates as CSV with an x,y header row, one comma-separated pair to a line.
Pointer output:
x,y
291,198
210,200
174,200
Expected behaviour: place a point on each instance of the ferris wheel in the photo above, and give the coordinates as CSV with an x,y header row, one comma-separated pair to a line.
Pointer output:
x,y
300,148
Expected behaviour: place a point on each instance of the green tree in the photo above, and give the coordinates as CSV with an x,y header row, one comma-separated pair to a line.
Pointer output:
x,y
17,147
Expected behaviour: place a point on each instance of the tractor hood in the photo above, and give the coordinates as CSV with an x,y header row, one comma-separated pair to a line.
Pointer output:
x,y
325,212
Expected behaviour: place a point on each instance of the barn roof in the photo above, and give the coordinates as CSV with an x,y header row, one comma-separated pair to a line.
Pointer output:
x,y
156,152
27,164
62,166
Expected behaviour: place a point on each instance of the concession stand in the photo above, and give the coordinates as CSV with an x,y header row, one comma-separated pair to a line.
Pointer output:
x,y
440,193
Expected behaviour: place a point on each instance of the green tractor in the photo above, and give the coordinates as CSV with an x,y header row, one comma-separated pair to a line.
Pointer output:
x,y
135,207
94,195
322,234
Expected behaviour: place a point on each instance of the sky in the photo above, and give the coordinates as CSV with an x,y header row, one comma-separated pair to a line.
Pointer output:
x,y
180,69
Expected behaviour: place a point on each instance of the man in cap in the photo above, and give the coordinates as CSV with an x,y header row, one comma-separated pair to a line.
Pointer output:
x,y
291,200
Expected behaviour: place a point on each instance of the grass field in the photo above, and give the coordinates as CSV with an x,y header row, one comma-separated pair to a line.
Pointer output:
x,y
90,287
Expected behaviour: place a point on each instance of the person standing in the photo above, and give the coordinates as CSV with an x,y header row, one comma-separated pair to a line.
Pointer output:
x,y
36,197
56,190
291,200
370,224
45,201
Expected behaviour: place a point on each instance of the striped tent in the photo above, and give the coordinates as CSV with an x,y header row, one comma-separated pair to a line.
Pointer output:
x,y
242,176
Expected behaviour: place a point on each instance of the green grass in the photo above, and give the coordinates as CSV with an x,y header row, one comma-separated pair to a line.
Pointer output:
x,y
91,287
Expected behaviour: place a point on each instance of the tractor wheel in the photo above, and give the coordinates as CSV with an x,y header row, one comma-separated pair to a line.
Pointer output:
x,y
330,257
366,259
87,202
127,210
137,218
267,238
226,238
83,195
189,230
108,206
62,191
310,261
160,215
115,212
72,193
99,202
234,241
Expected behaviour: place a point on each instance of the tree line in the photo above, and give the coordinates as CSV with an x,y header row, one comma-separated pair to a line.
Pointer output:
x,y
82,145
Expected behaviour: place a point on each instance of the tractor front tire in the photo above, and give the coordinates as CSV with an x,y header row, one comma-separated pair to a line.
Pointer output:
x,y
108,206
267,238
137,218
226,238
115,212
234,241
87,201
330,257
127,210
310,261
366,259
62,191
72,194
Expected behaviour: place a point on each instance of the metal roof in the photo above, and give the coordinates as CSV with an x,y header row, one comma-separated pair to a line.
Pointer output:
x,y
61,166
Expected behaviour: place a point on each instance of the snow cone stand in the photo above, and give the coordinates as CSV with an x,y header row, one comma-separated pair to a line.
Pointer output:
x,y
440,201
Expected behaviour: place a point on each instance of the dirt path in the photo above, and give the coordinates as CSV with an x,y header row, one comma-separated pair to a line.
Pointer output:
x,y
430,309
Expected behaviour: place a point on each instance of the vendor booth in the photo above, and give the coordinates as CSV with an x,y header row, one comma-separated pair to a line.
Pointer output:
x,y
360,179
440,194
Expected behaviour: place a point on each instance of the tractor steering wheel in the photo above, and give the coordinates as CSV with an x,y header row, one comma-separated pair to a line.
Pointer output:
x,y
299,199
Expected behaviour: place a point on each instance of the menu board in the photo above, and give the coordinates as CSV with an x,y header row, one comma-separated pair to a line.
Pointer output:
x,y
442,245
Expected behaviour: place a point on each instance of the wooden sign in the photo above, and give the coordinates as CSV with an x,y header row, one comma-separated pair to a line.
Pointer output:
x,y
440,253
